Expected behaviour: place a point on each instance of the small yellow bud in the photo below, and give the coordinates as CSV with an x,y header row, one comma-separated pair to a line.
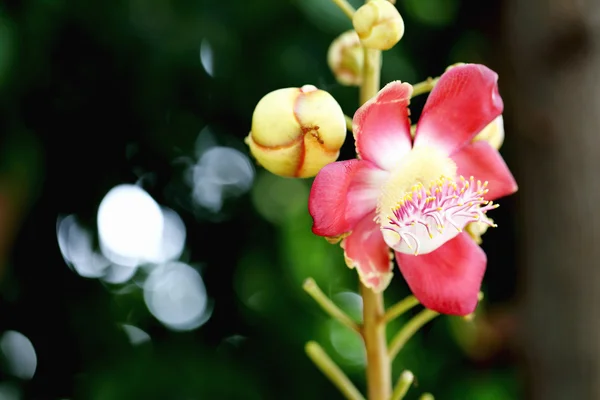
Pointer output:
x,y
493,133
297,131
378,24
345,58
477,229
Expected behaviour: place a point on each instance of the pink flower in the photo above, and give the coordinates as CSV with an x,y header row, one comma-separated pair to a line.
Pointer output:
x,y
410,195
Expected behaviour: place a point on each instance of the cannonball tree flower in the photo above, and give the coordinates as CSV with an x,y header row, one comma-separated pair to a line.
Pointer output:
x,y
416,196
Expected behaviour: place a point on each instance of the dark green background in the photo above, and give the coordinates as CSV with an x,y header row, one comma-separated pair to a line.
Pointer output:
x,y
84,82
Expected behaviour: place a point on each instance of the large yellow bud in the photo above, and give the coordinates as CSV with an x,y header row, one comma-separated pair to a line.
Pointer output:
x,y
297,131
378,24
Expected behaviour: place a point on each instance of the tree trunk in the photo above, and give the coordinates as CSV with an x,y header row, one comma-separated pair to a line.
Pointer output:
x,y
554,103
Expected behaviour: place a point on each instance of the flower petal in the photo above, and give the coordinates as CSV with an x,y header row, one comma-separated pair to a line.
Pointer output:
x,y
447,280
483,162
381,126
365,250
342,193
461,104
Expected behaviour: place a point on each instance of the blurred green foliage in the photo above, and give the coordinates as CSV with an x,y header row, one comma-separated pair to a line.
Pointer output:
x,y
94,94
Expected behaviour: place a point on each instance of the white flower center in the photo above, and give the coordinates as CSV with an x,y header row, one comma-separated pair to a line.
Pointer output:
x,y
422,206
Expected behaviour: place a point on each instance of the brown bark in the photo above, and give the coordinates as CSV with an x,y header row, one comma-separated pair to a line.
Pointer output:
x,y
554,48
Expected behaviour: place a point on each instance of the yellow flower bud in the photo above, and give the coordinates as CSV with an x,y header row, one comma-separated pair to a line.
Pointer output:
x,y
493,133
345,58
378,24
476,230
297,131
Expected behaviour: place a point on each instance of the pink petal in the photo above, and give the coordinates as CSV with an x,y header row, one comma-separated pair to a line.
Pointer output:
x,y
484,163
381,126
342,193
447,280
365,250
461,104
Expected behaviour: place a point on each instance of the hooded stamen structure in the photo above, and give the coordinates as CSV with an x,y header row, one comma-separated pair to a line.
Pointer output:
x,y
425,212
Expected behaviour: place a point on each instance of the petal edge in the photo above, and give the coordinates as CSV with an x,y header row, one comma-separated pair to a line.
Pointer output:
x,y
480,160
342,193
463,102
447,280
365,250
381,126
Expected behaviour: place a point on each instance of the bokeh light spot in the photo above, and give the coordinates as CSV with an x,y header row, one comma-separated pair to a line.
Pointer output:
x,y
9,391
136,335
175,294
219,173
275,198
206,57
75,245
345,342
117,274
173,238
19,354
130,225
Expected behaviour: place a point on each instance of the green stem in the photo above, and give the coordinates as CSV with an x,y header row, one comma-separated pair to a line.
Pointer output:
x,y
409,330
345,7
371,75
424,87
379,371
348,123
400,308
316,353
426,396
311,287
404,382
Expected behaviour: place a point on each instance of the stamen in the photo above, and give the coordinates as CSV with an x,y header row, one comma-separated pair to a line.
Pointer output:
x,y
429,209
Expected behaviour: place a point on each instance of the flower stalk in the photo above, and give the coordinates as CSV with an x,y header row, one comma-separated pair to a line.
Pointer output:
x,y
311,287
424,87
371,75
345,7
409,330
348,123
379,371
400,308
316,353
406,379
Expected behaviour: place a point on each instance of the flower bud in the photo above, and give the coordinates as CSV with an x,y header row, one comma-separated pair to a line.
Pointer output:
x,y
297,131
345,58
378,24
493,133
476,230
